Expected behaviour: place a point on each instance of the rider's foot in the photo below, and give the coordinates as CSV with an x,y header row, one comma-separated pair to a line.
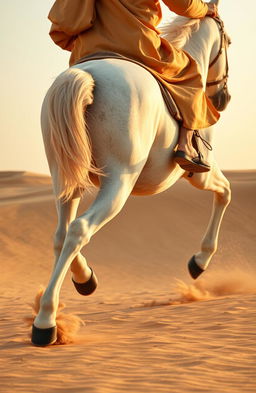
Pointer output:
x,y
186,156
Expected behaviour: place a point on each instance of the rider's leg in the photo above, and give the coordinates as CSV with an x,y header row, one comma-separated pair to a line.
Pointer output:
x,y
187,156
185,142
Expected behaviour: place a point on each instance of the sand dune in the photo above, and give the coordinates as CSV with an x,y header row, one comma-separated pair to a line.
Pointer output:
x,y
149,327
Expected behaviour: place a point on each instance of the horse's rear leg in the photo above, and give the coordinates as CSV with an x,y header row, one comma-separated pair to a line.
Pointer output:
x,y
108,203
212,181
66,214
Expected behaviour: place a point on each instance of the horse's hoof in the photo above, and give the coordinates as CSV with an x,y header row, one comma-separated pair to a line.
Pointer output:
x,y
194,269
43,337
87,287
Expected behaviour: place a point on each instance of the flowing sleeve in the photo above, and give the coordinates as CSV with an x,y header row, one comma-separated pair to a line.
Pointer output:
x,y
188,8
69,18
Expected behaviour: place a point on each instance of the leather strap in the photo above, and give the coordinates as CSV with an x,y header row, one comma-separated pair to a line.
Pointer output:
x,y
224,41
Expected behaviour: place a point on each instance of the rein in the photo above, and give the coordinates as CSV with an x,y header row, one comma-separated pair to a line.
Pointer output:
x,y
223,44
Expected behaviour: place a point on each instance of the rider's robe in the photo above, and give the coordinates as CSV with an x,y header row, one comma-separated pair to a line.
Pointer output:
x,y
129,27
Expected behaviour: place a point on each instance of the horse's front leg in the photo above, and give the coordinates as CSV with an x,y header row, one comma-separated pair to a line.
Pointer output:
x,y
213,181
112,195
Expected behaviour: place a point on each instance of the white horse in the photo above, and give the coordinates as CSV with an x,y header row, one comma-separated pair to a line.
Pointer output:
x,y
125,146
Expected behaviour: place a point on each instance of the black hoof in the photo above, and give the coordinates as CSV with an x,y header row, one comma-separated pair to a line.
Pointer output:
x,y
194,269
43,337
87,287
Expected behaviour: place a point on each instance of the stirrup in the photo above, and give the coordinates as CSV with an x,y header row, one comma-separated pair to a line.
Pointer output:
x,y
191,164
208,146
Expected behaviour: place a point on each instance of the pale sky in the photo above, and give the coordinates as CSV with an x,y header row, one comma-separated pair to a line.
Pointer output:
x,y
30,62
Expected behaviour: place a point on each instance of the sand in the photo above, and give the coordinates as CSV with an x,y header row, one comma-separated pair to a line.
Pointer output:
x,y
149,327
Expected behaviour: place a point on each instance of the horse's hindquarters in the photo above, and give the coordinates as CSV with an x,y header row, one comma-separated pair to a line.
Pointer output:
x,y
129,122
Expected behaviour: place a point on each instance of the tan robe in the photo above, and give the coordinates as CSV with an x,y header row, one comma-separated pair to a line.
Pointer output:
x,y
128,27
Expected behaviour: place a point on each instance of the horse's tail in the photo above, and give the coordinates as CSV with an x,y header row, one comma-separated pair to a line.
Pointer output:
x,y
65,131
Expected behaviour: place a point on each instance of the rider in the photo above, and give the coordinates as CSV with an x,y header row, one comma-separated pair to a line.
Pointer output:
x,y
128,27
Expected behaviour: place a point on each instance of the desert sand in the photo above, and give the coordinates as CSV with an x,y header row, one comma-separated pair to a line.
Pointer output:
x,y
149,327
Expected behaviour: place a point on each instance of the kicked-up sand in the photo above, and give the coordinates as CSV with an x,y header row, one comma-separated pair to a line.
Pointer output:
x,y
149,327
